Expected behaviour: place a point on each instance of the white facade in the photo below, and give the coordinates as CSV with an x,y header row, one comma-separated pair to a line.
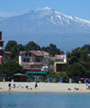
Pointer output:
x,y
32,58
61,58
64,57
20,60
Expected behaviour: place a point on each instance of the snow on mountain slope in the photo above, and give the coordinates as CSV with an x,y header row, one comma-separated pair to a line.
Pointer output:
x,y
46,26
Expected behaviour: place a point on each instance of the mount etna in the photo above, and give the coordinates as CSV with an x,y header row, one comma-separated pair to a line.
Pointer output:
x,y
45,26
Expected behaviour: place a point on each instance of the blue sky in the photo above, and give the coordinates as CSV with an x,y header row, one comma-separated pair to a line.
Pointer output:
x,y
79,8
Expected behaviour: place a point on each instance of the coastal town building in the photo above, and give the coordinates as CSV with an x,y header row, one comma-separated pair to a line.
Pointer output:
x,y
38,62
4,56
1,48
34,61
61,58
60,67
60,63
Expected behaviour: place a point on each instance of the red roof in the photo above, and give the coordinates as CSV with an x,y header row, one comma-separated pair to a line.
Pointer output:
x,y
37,53
34,52
58,56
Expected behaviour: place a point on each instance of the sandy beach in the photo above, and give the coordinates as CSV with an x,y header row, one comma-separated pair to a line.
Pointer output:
x,y
44,87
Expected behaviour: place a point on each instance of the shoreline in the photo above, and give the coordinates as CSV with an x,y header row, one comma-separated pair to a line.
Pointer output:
x,y
41,92
29,87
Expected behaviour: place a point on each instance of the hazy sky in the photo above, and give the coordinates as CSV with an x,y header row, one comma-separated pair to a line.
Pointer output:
x,y
79,8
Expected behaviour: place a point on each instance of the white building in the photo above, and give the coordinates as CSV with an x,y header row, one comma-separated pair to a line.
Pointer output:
x,y
61,58
32,60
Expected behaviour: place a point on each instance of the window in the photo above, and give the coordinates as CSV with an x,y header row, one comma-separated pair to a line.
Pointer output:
x,y
26,54
37,60
29,54
27,60
24,60
60,67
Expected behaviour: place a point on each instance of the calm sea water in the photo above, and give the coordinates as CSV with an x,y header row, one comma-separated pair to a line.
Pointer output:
x,y
27,100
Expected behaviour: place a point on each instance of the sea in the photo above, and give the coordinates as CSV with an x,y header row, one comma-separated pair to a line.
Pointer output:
x,y
44,100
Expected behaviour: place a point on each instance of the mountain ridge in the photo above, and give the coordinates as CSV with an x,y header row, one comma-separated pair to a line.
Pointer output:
x,y
46,26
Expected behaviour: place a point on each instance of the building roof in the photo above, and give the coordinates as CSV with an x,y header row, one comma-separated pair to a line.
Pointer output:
x,y
22,52
60,56
36,53
7,52
36,73
19,74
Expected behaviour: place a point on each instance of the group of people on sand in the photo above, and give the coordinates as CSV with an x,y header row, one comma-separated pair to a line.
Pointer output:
x,y
14,86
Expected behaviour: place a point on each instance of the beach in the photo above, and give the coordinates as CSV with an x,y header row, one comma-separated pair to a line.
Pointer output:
x,y
42,87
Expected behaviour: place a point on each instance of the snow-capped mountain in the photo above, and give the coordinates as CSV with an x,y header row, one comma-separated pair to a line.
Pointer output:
x,y
46,26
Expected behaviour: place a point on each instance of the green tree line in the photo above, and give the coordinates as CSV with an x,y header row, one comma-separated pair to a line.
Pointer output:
x,y
14,48
79,62
10,68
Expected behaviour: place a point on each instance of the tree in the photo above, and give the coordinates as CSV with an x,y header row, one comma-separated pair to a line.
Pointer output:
x,y
86,47
76,70
52,50
10,68
12,47
77,55
32,46
20,47
1,68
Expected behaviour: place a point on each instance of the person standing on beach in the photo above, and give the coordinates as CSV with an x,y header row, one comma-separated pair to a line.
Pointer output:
x,y
9,85
36,85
